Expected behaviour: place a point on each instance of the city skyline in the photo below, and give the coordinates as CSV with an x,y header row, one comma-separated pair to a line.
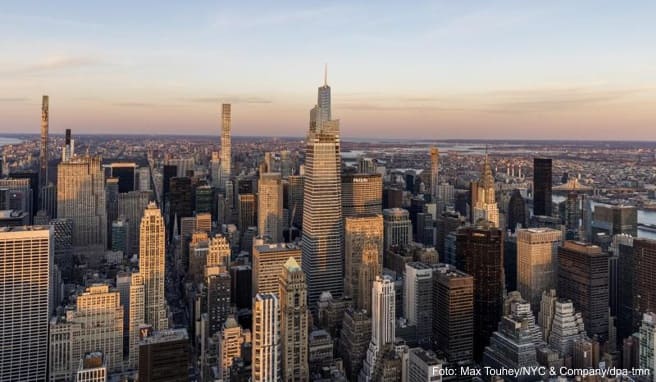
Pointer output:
x,y
435,70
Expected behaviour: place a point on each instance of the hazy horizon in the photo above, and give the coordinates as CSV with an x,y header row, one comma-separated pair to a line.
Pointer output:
x,y
433,70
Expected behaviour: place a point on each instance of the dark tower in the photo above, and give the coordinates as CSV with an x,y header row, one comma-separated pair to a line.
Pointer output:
x,y
542,186
479,252
516,211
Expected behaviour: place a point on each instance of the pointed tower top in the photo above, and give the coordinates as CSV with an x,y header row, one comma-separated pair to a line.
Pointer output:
x,y
325,75
291,264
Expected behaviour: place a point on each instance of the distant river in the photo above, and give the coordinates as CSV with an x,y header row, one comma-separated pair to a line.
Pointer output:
x,y
9,141
644,217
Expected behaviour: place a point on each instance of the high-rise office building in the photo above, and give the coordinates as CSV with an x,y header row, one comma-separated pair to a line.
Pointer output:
x,y
647,358
615,220
81,198
435,168
644,275
152,266
354,340
512,346
132,205
567,327
137,311
217,293
231,341
295,200
453,313
542,186
537,249
226,151
266,338
164,357
485,206
247,211
43,152
363,250
294,322
25,271
362,194
322,201
480,254
383,322
181,198
397,227
100,316
126,174
418,299
517,214
269,207
268,261
583,278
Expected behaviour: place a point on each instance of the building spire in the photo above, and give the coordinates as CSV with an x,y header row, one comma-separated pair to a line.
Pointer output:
x,y
325,74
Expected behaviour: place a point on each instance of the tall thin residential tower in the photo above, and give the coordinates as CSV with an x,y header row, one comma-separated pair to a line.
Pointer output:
x,y
43,156
435,163
226,152
322,212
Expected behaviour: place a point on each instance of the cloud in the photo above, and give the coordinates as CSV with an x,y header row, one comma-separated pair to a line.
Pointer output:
x,y
260,18
58,63
505,101
230,99
13,99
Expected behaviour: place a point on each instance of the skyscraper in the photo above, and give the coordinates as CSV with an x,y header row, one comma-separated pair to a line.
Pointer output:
x,y
453,313
266,338
269,211
363,254
516,211
231,340
435,168
100,316
536,262
418,299
480,254
542,186
583,278
43,154
126,174
322,212
131,205
293,322
164,357
226,153
362,194
354,339
268,261
485,206
644,276
137,311
648,342
81,197
323,98
152,266
383,322
398,228
25,267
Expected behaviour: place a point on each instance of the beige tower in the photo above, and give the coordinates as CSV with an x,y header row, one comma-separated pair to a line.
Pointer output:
x,y
268,260
226,153
136,319
151,266
269,207
81,198
100,314
485,206
293,323
266,338
363,248
536,262
231,340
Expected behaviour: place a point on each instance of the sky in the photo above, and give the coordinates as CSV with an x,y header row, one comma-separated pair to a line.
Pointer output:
x,y
521,69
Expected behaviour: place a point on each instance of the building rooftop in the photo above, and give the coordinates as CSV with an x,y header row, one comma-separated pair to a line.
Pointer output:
x,y
168,335
277,247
